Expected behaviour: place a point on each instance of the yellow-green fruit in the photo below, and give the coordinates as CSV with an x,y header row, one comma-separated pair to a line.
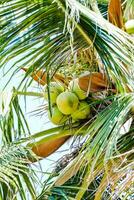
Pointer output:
x,y
74,87
129,26
67,102
57,117
55,89
132,110
82,112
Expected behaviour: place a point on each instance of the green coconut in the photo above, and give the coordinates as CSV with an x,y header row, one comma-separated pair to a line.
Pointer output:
x,y
67,102
82,112
74,87
129,26
55,89
132,110
57,117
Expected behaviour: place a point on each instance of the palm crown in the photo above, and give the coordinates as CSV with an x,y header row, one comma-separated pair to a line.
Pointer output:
x,y
59,41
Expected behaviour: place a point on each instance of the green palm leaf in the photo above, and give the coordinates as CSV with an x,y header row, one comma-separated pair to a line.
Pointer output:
x,y
15,181
102,153
40,37
46,35
13,123
14,170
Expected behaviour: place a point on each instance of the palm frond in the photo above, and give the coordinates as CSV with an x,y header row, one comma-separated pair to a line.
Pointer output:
x,y
45,35
15,181
39,38
104,152
106,139
14,170
129,9
13,123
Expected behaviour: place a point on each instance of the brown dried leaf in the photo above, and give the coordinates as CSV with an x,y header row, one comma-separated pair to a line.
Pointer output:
x,y
45,149
40,76
115,15
93,82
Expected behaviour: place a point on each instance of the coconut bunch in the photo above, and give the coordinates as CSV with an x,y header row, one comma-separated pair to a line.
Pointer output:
x,y
68,103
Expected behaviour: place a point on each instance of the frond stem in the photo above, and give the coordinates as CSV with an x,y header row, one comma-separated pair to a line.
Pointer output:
x,y
35,94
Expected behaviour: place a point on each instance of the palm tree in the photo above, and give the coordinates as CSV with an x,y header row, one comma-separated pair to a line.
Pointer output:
x,y
60,40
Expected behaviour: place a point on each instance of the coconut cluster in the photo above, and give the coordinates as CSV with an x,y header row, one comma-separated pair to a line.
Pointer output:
x,y
67,103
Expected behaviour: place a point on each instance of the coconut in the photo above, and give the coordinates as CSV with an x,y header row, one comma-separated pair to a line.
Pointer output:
x,y
129,26
132,110
74,87
57,117
82,112
67,102
55,89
